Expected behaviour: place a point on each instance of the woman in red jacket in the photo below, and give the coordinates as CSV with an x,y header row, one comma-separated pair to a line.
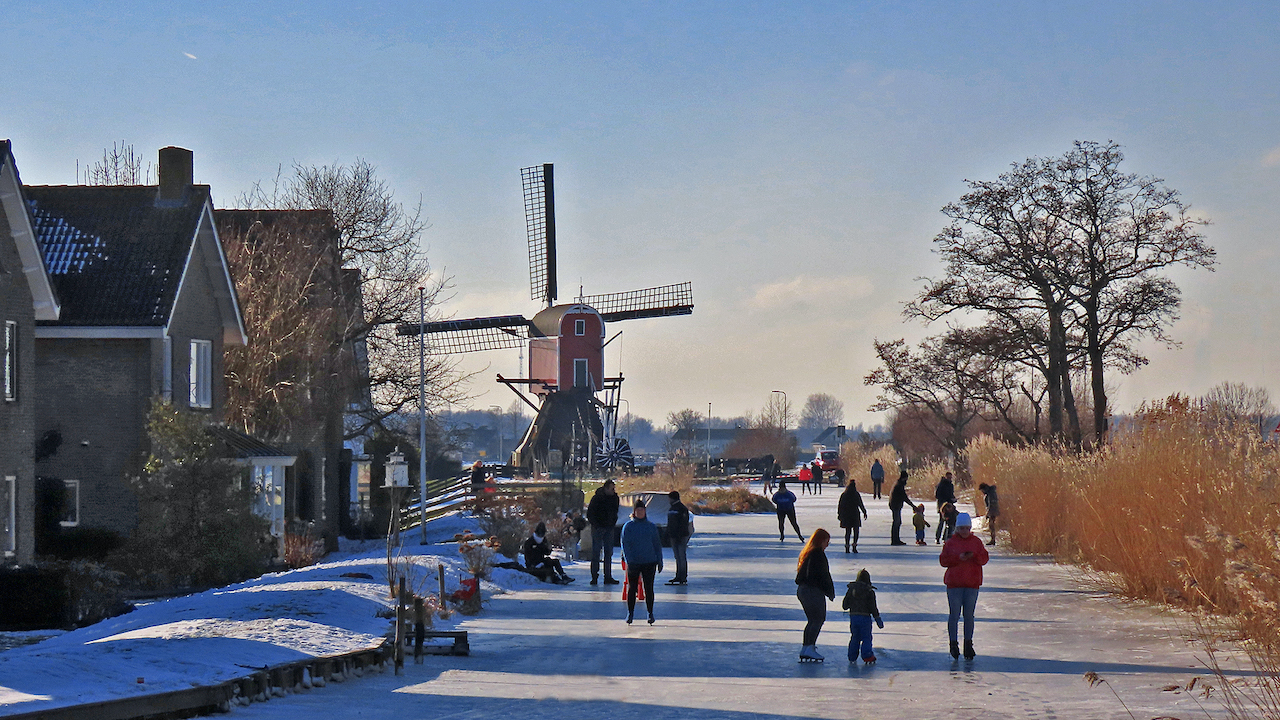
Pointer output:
x,y
963,555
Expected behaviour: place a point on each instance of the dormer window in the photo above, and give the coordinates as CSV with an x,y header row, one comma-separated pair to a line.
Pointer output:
x,y
579,327
201,374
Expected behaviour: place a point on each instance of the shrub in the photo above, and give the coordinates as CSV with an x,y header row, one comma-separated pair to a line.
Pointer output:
x,y
723,501
84,543
507,519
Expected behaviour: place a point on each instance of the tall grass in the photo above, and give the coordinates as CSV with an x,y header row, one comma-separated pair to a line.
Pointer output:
x,y
856,460
1176,509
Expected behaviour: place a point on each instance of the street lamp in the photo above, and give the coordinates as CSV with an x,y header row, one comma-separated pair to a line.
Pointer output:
x,y
784,408
422,415
708,439
498,423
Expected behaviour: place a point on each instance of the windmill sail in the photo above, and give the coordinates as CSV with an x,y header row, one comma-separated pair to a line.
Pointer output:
x,y
540,221
663,301
471,335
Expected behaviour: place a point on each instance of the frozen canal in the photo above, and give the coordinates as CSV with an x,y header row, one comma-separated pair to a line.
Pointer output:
x,y
725,646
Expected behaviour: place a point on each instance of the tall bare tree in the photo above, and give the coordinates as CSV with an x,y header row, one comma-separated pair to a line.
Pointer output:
x,y
1236,404
380,241
119,166
821,411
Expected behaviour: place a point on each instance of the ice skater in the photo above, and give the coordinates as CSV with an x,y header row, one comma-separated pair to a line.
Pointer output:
x,y
851,512
877,479
992,501
642,552
944,493
679,528
806,477
860,601
785,500
963,555
898,498
813,588
602,513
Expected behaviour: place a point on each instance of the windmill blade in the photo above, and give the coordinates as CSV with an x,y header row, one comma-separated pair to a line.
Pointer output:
x,y
540,221
663,301
470,335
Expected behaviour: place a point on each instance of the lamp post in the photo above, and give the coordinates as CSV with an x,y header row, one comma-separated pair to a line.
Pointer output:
x,y
422,415
498,424
708,439
784,408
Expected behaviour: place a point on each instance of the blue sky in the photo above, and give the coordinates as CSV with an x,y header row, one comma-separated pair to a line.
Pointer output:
x,y
789,159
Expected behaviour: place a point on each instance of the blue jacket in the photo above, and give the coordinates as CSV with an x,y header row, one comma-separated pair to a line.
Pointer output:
x,y
784,499
641,543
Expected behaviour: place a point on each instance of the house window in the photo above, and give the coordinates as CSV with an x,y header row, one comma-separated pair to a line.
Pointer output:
x,y
10,360
71,504
580,372
579,327
201,374
9,506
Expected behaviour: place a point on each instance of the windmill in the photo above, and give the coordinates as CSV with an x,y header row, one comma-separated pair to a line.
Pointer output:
x,y
577,404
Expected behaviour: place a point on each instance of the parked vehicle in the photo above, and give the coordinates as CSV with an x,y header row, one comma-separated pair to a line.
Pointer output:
x,y
656,505
829,461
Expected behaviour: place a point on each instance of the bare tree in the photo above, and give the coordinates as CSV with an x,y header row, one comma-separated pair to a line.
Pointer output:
x,y
821,411
380,242
1122,230
119,166
1236,404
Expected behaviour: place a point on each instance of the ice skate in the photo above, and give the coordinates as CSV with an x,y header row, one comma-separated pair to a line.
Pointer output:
x,y
809,654
968,651
869,660
630,617
955,651
651,618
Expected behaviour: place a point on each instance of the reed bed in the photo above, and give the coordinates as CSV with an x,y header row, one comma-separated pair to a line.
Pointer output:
x,y
1176,509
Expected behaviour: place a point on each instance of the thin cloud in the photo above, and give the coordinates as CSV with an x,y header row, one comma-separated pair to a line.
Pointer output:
x,y
1272,159
805,290
193,57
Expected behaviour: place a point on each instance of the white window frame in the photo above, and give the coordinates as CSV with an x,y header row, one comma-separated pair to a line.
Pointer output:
x,y
11,516
586,372
73,497
201,377
579,327
10,360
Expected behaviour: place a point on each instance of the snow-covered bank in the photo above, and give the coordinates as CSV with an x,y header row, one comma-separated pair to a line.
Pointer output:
x,y
211,637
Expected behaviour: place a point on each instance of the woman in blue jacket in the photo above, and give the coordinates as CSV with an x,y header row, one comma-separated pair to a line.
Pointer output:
x,y
642,551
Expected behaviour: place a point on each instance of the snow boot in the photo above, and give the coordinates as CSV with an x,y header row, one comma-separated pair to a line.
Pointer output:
x,y
955,651
968,650
595,580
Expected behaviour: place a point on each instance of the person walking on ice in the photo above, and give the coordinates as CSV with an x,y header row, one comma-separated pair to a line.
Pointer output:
x,y
642,552
602,513
679,528
813,588
992,501
944,493
860,601
785,500
963,555
898,498
877,479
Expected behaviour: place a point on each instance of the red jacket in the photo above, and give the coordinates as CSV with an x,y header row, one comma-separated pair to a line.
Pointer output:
x,y
963,573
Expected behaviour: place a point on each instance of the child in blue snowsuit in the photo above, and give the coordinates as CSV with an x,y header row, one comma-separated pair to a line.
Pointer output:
x,y
860,601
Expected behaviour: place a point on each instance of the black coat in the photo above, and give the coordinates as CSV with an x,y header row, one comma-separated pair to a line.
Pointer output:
x,y
945,492
535,553
815,572
898,497
678,521
860,599
851,510
603,509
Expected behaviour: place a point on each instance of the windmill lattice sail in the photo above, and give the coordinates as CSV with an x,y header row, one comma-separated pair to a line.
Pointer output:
x,y
662,301
540,221
471,335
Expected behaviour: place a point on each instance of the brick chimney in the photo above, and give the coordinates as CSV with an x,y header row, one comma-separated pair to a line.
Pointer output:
x,y
176,174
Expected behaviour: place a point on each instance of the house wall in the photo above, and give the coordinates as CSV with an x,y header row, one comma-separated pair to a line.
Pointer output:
x,y
17,418
196,317
95,394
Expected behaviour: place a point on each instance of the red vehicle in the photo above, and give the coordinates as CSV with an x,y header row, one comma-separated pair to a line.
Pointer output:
x,y
828,460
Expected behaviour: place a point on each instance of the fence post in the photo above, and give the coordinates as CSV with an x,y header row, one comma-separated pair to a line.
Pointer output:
x,y
400,628
440,576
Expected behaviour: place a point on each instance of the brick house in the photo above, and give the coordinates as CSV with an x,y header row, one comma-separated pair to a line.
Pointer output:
x,y
26,296
148,304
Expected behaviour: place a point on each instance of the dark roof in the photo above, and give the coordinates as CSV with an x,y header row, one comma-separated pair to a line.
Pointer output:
x,y
835,432
114,254
244,446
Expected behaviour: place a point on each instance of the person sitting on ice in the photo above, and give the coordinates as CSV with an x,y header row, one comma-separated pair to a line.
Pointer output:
x,y
538,560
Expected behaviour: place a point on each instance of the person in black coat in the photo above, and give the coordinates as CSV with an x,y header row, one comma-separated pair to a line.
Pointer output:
x,y
944,493
813,588
851,512
538,560
898,498
678,529
602,513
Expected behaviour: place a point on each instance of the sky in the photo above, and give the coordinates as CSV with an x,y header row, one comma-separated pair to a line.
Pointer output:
x,y
789,159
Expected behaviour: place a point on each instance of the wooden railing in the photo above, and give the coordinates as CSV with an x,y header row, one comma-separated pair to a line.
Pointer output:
x,y
453,494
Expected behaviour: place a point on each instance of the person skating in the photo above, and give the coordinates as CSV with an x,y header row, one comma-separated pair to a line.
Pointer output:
x,y
767,477
918,521
851,512
806,476
992,501
949,513
642,551
602,513
860,601
898,498
538,560
817,477
963,555
944,493
679,529
877,479
785,500
813,588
